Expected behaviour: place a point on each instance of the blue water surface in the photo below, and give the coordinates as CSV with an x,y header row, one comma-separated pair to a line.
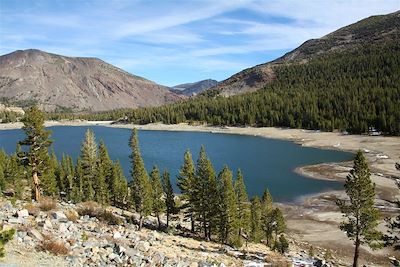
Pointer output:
x,y
264,162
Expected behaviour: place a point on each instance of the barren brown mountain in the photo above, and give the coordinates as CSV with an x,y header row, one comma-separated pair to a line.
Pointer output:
x,y
383,28
75,83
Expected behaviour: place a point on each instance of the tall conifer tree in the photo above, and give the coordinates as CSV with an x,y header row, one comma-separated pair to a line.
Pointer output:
x,y
186,183
157,194
37,139
140,185
169,196
228,213
89,165
359,211
243,205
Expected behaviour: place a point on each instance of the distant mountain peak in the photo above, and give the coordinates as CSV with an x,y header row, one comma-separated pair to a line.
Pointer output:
x,y
191,89
75,83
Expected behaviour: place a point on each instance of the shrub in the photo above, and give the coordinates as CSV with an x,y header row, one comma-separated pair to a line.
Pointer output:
x,y
71,215
5,236
32,209
47,204
93,209
109,217
89,208
53,246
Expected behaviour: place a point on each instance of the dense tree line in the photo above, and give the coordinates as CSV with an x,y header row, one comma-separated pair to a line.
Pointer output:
x,y
349,91
217,204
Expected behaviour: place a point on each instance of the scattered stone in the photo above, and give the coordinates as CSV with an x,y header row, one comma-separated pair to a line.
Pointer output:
x,y
143,246
60,216
23,213
63,228
117,235
35,234
112,256
15,220
120,249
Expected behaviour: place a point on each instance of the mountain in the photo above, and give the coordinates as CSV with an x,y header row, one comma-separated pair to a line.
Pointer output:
x,y
191,89
375,29
58,82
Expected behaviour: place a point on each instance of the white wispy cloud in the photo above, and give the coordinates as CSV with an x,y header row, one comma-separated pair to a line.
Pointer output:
x,y
197,36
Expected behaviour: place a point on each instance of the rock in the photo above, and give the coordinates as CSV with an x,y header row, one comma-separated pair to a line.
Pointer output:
x,y
117,235
158,258
23,213
35,234
143,246
63,228
120,249
60,216
21,234
15,220
95,250
112,256
47,225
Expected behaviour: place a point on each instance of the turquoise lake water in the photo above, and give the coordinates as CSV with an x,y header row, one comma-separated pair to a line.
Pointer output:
x,y
264,162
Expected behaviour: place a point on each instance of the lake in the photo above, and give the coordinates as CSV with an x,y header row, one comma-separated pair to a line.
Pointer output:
x,y
264,162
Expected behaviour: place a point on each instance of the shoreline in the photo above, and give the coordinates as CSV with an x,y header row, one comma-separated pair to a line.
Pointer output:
x,y
382,152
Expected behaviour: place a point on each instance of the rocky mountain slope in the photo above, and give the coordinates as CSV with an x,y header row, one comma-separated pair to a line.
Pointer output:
x,y
375,29
190,89
74,83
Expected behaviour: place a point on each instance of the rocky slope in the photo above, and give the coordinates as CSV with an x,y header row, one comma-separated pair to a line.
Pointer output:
x,y
372,30
62,237
60,82
191,89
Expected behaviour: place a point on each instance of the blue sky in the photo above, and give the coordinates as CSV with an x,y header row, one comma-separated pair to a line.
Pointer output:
x,y
172,42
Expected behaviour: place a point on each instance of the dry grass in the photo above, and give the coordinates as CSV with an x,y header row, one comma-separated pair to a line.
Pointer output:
x,y
71,215
93,209
53,246
32,209
90,208
47,204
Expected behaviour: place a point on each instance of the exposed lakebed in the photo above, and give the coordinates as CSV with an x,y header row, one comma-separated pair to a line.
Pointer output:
x,y
264,162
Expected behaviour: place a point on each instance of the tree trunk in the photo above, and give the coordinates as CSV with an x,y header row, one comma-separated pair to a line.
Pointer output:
x,y
140,222
36,186
159,221
167,219
192,222
356,252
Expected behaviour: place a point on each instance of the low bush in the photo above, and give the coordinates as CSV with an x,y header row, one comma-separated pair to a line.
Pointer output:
x,y
47,204
93,209
71,215
54,246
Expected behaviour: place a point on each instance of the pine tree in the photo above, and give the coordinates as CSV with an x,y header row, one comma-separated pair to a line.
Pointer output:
x,y
119,186
99,185
186,183
140,185
359,211
205,202
89,165
228,213
267,217
2,180
66,175
169,196
107,165
77,184
14,174
37,139
48,181
256,215
243,205
157,194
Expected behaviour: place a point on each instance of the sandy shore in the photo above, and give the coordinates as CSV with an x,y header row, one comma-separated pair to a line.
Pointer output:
x,y
313,219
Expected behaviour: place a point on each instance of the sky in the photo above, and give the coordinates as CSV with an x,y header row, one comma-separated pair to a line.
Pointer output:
x,y
173,42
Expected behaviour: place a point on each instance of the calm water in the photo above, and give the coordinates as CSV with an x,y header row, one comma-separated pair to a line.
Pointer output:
x,y
264,162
